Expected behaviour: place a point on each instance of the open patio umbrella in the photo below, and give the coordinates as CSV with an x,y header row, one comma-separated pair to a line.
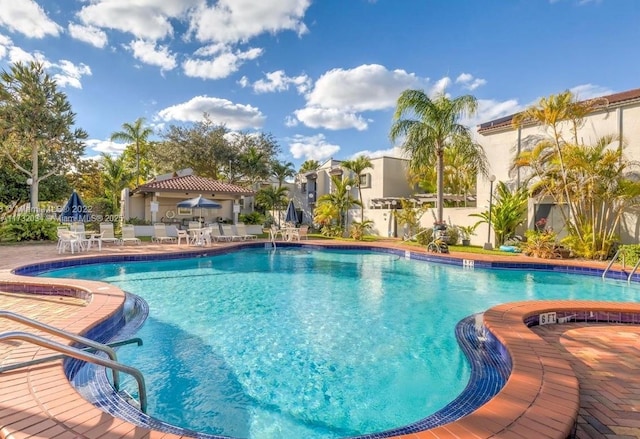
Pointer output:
x,y
199,202
75,210
291,215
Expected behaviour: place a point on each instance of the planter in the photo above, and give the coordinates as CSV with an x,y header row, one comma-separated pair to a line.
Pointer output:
x,y
439,227
466,242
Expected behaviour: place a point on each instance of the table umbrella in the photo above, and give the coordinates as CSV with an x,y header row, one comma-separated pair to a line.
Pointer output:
x,y
199,202
291,215
75,210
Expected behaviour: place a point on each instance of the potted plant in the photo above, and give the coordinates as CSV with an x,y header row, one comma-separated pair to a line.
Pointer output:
x,y
467,232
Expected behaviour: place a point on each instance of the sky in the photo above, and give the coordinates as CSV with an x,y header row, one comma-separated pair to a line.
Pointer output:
x,y
321,76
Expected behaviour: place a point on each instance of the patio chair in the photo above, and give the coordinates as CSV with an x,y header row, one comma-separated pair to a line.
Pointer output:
x,y
216,235
299,233
194,225
274,232
95,238
129,235
107,233
241,230
228,232
68,239
183,234
160,234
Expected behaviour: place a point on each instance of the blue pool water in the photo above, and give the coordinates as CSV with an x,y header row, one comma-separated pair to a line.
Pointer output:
x,y
312,344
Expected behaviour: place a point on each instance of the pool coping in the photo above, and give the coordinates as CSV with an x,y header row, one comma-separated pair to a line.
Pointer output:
x,y
541,393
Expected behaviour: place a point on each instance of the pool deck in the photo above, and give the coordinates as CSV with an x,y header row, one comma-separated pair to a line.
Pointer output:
x,y
581,377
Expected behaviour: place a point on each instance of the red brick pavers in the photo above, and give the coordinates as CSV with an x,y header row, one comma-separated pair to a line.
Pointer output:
x,y
606,359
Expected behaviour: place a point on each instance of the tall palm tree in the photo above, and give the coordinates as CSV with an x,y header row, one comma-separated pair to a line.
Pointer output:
x,y
464,160
272,198
309,166
340,197
357,166
136,134
426,126
116,177
282,170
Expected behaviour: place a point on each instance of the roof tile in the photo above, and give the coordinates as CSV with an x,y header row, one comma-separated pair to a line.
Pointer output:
x,y
192,183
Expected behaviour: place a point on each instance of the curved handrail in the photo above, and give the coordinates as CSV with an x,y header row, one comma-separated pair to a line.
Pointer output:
x,y
68,335
613,260
85,356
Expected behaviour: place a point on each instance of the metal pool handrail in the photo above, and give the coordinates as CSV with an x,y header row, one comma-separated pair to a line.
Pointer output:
x,y
85,356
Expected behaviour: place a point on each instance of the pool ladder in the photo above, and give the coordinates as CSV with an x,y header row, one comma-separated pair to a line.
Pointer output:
x,y
85,354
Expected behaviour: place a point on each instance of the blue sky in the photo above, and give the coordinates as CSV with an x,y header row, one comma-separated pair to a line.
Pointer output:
x,y
322,76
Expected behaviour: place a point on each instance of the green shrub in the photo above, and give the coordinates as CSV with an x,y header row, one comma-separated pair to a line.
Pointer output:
x,y
252,218
629,254
28,227
424,236
138,222
540,244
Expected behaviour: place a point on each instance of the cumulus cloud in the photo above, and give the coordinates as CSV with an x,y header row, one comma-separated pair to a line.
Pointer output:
x,y
312,147
330,118
394,151
28,18
230,21
69,74
89,34
469,82
105,146
220,111
152,54
145,19
224,61
278,81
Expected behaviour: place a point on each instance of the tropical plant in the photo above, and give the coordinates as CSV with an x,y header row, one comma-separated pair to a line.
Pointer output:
x,y
28,227
426,126
36,125
507,213
309,166
357,166
408,216
252,218
115,177
467,232
464,160
282,170
137,135
271,198
359,229
540,244
596,184
340,198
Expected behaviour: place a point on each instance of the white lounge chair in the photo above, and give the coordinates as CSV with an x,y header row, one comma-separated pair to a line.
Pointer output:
x,y
217,236
299,233
129,235
160,234
228,232
107,233
241,230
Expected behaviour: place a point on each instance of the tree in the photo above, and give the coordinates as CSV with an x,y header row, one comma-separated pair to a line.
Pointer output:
x,y
426,127
282,170
357,166
464,160
271,198
508,212
116,177
254,154
134,134
340,198
309,166
36,125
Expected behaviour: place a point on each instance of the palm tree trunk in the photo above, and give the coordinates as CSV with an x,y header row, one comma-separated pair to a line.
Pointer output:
x,y
440,183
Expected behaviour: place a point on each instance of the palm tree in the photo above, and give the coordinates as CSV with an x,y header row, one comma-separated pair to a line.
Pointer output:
x,y
309,166
254,163
136,134
282,170
340,198
464,160
115,177
272,198
426,127
357,166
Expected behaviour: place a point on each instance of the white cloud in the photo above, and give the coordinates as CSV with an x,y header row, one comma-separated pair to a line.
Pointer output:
x,y
232,21
589,91
27,18
145,19
224,62
394,151
220,111
469,82
440,87
89,34
149,53
312,147
330,118
291,121
489,110
69,73
105,146
364,88
278,81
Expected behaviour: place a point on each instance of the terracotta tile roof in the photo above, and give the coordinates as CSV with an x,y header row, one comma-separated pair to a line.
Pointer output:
x,y
614,100
192,183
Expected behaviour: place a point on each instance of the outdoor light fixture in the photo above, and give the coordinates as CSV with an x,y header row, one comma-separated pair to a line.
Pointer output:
x,y
29,181
488,245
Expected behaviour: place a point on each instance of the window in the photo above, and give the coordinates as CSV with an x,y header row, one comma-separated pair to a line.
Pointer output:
x,y
185,211
303,187
365,180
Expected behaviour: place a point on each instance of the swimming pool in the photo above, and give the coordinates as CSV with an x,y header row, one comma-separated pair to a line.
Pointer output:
x,y
365,340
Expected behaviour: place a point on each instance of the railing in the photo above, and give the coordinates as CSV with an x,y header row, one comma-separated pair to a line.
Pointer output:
x,y
69,336
635,267
613,260
85,356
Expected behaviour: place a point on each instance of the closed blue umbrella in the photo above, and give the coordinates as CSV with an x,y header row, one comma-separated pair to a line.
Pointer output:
x,y
291,215
75,210
199,202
